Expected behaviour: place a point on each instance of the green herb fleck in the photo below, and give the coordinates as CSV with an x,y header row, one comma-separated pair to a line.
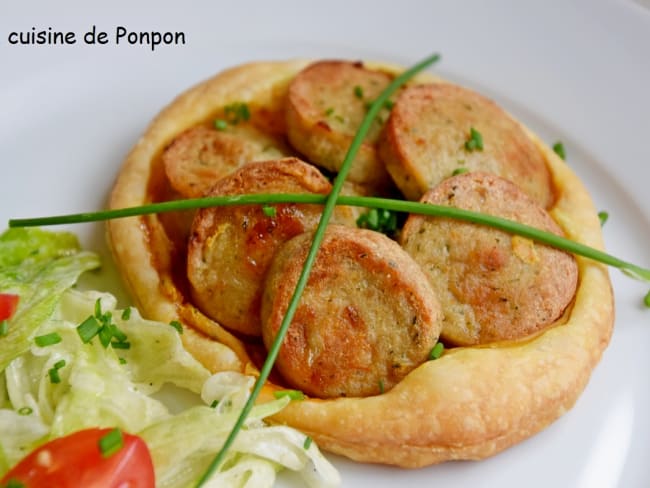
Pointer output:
x,y
307,443
120,345
269,211
54,376
4,327
603,216
111,443
126,313
59,364
358,92
220,124
47,339
329,111
380,220
88,329
237,112
25,411
293,394
475,141
122,361
459,171
646,300
437,351
117,333
214,404
558,148
381,387
98,308
177,325
105,335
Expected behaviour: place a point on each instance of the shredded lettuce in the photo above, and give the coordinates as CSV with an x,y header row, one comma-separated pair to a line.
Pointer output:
x,y
105,386
38,266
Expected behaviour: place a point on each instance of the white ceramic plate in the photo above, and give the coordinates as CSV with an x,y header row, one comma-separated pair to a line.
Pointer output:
x,y
575,71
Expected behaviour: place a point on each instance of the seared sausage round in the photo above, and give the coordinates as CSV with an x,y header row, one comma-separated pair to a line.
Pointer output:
x,y
367,317
325,106
492,285
197,158
429,135
230,248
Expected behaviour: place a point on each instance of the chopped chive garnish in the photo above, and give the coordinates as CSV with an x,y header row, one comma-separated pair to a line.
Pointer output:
x,y
630,269
437,351
475,141
389,104
307,443
88,329
25,411
358,91
111,443
59,364
269,211
98,308
381,386
117,333
126,313
54,375
459,171
237,112
558,148
380,220
4,327
329,111
177,325
122,361
292,394
220,124
214,404
646,300
603,216
47,339
105,335
120,345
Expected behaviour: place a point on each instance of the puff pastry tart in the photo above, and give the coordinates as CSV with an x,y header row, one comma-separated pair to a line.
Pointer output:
x,y
523,325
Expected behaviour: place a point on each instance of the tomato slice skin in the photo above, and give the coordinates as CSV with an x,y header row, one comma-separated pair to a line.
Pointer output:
x,y
76,460
8,305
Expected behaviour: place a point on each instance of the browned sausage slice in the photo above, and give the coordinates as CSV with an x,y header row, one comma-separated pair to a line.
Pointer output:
x,y
429,135
492,285
197,158
367,317
325,106
230,248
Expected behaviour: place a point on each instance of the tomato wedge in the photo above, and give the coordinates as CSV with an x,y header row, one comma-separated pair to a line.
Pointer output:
x,y
8,305
77,460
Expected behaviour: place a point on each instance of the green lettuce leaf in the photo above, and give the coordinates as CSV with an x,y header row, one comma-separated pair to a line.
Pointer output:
x,y
38,266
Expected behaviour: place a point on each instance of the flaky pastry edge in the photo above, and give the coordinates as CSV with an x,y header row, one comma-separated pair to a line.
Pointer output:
x,y
471,403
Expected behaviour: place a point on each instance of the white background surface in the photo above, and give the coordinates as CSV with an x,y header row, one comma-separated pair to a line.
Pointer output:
x,y
574,71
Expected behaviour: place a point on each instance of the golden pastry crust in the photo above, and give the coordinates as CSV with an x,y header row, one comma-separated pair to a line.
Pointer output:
x,y
471,403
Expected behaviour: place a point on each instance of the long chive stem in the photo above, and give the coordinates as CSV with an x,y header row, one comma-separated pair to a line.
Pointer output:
x,y
506,225
328,209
